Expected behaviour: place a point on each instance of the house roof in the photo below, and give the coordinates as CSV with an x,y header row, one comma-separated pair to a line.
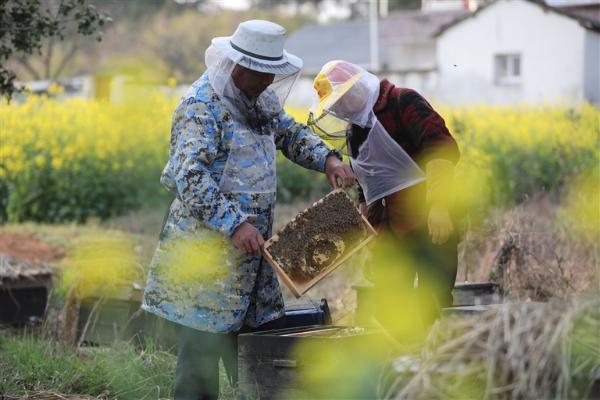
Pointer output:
x,y
349,40
590,12
586,18
412,26
317,44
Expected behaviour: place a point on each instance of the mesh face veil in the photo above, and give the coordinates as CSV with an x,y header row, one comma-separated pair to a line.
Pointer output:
x,y
346,92
345,95
221,62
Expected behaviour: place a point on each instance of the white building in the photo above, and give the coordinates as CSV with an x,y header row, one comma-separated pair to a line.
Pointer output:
x,y
406,48
505,52
520,51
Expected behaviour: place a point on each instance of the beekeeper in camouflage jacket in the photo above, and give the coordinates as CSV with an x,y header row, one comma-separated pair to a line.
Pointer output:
x,y
207,273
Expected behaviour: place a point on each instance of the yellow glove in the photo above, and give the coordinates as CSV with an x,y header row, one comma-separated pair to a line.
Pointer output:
x,y
440,177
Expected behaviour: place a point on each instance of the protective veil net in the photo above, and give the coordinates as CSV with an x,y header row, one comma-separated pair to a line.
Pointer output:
x,y
381,165
251,166
335,108
221,61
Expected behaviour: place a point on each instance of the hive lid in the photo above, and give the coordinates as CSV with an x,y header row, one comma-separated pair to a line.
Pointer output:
x,y
13,269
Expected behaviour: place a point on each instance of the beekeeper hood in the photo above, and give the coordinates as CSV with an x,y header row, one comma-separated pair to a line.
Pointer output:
x,y
344,92
345,95
258,46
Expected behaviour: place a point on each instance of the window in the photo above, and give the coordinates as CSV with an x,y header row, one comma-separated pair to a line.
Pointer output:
x,y
507,69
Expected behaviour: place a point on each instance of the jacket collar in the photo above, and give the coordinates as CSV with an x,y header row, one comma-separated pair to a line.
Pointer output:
x,y
385,89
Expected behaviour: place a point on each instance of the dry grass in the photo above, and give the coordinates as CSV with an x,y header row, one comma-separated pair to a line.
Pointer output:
x,y
532,252
514,351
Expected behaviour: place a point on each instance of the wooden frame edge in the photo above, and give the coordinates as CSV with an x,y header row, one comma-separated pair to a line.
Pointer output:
x,y
298,291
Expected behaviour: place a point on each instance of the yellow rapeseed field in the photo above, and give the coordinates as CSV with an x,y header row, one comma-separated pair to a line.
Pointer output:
x,y
67,160
71,159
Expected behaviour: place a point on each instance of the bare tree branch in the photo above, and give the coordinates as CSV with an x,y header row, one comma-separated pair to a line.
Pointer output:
x,y
48,59
66,59
28,67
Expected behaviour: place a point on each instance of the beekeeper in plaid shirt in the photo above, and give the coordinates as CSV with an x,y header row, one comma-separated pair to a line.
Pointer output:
x,y
403,156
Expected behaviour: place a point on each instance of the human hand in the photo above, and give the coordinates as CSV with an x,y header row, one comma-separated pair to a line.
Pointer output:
x,y
334,169
362,207
439,223
248,239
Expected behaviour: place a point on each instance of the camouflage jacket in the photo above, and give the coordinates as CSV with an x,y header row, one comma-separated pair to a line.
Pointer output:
x,y
197,277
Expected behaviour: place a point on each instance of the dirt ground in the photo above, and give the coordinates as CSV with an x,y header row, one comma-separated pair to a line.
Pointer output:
x,y
28,248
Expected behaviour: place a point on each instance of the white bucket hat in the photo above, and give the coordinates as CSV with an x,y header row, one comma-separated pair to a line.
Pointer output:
x,y
258,45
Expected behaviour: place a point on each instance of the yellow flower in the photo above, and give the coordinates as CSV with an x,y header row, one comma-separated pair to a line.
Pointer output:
x,y
39,161
502,148
100,264
54,89
56,163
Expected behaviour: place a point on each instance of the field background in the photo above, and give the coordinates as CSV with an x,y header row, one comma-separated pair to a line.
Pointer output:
x,y
76,172
527,175
79,190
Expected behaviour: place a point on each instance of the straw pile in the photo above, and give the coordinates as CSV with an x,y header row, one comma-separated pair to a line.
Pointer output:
x,y
516,351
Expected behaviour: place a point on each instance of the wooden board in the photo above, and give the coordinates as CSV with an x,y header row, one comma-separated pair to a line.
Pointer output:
x,y
297,288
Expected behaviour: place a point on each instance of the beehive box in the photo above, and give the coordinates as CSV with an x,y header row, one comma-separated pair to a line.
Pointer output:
x,y
306,312
271,368
476,293
24,290
317,241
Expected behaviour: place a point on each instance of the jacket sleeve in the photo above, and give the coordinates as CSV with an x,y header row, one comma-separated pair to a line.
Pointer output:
x,y
194,144
300,144
427,129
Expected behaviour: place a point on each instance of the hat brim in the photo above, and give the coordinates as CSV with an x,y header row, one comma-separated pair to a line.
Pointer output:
x,y
289,64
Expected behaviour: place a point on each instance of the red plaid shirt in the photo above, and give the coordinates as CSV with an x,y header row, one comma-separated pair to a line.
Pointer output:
x,y
421,131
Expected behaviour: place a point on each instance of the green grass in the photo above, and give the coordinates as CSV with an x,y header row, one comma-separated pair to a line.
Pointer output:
x,y
30,363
